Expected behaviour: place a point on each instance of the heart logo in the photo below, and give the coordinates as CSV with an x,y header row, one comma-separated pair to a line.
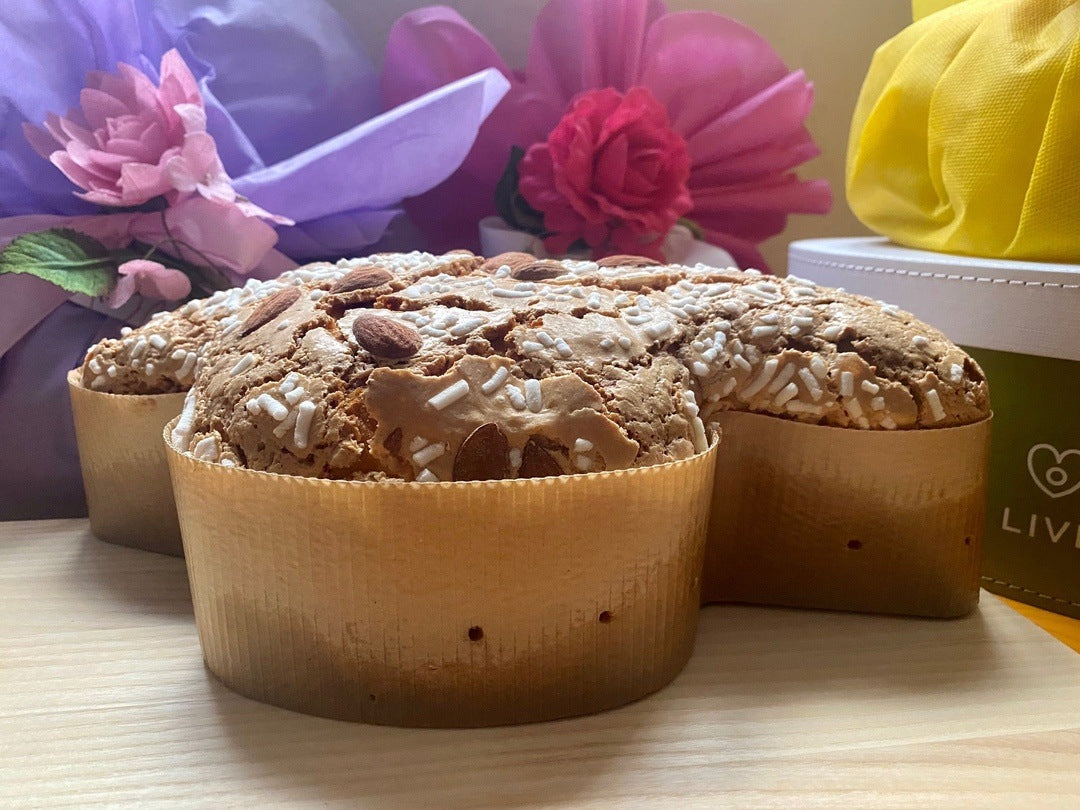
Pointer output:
x,y
1056,480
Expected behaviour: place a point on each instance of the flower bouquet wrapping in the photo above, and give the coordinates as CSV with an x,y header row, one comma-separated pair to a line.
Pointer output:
x,y
627,122
142,167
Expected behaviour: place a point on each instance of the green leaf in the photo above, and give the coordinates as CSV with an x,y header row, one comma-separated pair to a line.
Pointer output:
x,y
70,260
509,203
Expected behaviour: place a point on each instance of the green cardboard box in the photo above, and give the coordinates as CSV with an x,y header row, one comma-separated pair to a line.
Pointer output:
x,y
1021,322
1032,544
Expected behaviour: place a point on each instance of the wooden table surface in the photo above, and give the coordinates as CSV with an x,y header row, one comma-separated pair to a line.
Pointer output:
x,y
104,699
1063,628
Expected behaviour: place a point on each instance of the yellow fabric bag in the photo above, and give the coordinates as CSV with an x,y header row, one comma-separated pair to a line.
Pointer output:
x,y
966,137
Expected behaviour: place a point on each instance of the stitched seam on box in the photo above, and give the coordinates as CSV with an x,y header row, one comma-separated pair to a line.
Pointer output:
x,y
1033,593
944,276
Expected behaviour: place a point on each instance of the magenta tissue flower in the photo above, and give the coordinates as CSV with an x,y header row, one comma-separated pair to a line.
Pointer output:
x,y
739,109
149,279
131,141
612,173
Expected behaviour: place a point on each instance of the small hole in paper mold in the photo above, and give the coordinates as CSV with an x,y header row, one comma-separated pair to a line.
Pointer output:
x,y
854,545
967,540
371,698
604,617
476,633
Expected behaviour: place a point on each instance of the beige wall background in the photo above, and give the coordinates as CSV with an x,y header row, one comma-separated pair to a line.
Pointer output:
x,y
832,40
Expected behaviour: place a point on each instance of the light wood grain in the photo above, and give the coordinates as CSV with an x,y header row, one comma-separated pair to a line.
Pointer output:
x,y
104,699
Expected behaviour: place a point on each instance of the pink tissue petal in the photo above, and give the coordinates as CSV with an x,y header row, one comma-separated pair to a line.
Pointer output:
x,y
140,182
68,128
212,230
178,85
74,172
271,265
781,193
122,150
98,106
700,63
453,49
775,114
84,158
140,91
192,116
115,86
195,164
200,154
155,280
743,250
121,292
103,198
54,124
40,139
581,44
250,209
219,188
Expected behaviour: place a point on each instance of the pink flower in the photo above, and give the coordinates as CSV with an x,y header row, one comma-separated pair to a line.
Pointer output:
x,y
150,280
737,107
119,145
133,141
613,172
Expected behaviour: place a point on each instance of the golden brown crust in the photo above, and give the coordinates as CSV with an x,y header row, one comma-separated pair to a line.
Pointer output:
x,y
596,367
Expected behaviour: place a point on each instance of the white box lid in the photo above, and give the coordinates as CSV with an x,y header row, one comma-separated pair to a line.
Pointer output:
x,y
1026,307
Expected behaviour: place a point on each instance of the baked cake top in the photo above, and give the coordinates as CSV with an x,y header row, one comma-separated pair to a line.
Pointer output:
x,y
455,368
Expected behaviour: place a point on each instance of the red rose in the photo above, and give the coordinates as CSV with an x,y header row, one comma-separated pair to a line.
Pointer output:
x,y
613,172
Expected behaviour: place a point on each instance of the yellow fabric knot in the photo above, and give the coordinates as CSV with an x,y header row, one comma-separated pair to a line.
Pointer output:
x,y
966,136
